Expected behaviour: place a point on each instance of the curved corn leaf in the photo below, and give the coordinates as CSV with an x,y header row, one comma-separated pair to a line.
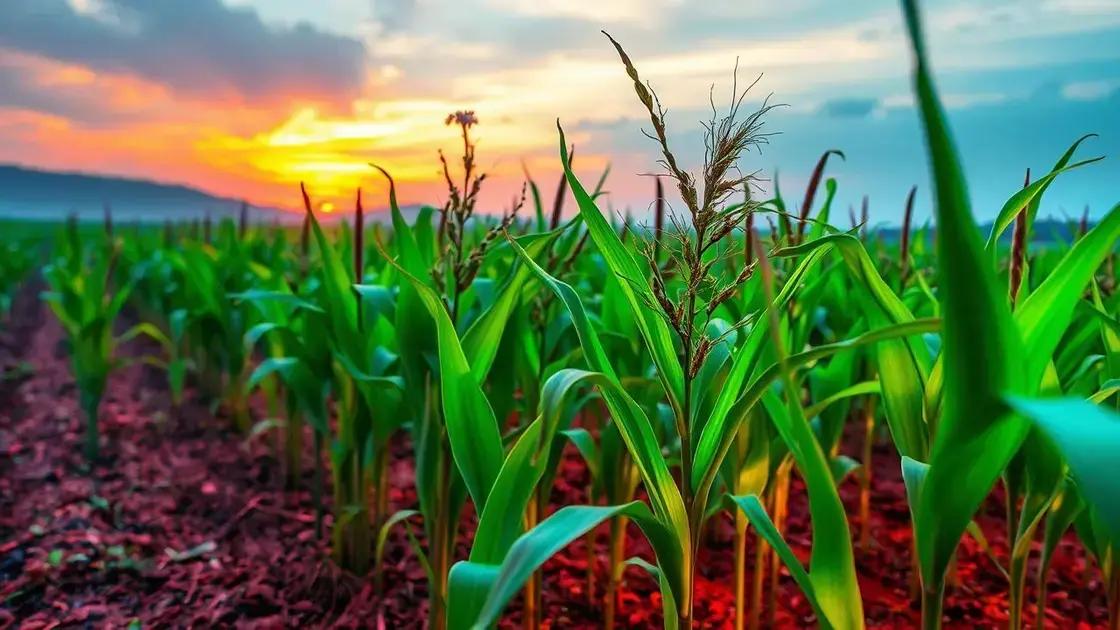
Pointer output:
x,y
499,525
482,338
859,389
631,420
1027,199
904,364
1088,437
472,429
538,545
756,514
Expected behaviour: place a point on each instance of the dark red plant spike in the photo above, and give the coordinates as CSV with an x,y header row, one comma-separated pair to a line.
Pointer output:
x,y
811,190
1018,249
863,215
774,235
904,250
243,221
561,193
852,216
305,231
1083,228
658,218
359,238
108,213
306,198
787,227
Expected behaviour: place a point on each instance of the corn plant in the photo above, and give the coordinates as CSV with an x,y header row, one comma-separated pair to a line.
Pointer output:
x,y
16,263
87,304
991,363
672,522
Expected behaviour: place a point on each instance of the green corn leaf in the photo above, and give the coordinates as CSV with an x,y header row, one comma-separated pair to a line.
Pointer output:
x,y
634,285
715,441
499,525
977,435
481,340
1027,199
904,364
472,429
542,542
1045,314
1088,437
631,420
859,389
752,507
1065,509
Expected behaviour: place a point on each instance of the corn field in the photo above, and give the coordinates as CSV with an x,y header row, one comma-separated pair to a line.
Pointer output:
x,y
723,382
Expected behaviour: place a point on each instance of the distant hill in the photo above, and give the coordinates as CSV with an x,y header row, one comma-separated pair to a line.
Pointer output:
x,y
1045,230
28,193
34,194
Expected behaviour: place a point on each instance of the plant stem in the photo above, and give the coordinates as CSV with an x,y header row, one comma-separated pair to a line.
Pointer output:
x,y
758,581
614,583
740,568
1018,584
531,615
90,404
865,476
443,539
1112,576
293,445
781,503
684,428
931,607
317,486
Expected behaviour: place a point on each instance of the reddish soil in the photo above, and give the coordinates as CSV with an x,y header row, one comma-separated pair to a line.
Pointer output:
x,y
185,524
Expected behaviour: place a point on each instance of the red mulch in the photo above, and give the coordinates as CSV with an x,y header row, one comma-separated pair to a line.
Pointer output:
x,y
185,524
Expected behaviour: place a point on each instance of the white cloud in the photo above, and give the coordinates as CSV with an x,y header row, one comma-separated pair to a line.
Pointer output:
x,y
645,12
1090,90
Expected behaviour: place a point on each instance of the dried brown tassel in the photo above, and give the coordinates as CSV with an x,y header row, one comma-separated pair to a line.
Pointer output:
x,y
658,219
1018,248
561,193
904,251
811,191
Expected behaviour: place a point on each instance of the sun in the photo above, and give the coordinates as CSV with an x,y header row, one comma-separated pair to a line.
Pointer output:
x,y
327,207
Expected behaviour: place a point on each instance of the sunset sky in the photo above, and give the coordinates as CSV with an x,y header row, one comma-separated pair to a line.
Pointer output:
x,y
246,98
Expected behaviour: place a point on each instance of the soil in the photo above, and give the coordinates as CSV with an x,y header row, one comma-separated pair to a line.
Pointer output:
x,y
184,523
